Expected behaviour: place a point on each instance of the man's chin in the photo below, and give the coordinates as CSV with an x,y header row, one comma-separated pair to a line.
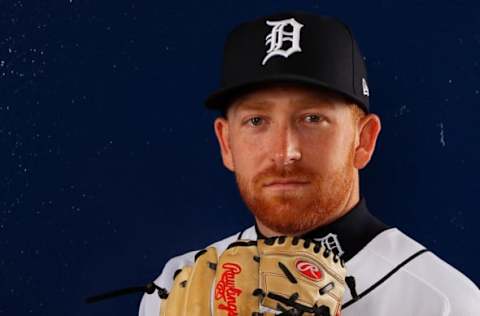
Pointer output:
x,y
289,220
289,228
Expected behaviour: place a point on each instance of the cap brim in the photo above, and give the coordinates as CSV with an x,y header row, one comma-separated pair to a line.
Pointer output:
x,y
221,98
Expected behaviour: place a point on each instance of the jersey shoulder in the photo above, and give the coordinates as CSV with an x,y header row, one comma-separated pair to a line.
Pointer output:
x,y
462,294
150,303
459,295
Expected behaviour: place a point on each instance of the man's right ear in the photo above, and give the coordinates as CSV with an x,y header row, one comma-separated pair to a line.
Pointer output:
x,y
221,130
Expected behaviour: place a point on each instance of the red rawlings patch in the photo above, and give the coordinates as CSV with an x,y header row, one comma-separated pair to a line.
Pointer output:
x,y
309,270
225,289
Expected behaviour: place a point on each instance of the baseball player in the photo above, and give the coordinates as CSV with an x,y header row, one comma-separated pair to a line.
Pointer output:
x,y
295,127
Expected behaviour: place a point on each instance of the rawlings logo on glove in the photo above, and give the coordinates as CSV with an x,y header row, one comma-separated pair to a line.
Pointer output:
x,y
309,270
226,290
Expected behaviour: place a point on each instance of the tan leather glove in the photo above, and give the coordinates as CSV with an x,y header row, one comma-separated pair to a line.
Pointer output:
x,y
274,276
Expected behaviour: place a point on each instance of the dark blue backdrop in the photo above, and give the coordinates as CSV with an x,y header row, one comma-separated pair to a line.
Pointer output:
x,y
108,162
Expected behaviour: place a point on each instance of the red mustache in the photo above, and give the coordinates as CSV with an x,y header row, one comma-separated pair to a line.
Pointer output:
x,y
290,173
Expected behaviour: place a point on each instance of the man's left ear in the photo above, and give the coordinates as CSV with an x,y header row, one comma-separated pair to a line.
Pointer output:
x,y
369,127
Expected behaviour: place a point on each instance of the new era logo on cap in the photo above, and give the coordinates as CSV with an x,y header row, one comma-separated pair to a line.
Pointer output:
x,y
280,36
365,87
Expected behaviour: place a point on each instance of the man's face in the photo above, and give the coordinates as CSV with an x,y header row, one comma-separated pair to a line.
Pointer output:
x,y
292,151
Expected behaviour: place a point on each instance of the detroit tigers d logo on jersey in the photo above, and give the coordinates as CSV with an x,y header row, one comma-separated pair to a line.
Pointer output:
x,y
284,38
331,242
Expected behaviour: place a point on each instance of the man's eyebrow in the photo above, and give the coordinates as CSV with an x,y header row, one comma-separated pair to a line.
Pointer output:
x,y
315,102
251,105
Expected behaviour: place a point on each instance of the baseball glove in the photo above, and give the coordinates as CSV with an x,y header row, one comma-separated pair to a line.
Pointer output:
x,y
274,276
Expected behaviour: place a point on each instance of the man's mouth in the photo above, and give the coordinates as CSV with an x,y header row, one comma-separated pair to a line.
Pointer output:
x,y
285,184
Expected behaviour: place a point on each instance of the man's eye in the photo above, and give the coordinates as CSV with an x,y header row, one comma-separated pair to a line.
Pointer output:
x,y
313,118
255,121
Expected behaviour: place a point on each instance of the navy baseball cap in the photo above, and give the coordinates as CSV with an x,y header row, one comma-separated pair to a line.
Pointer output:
x,y
295,47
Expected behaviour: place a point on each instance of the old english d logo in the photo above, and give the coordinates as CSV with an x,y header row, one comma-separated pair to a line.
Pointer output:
x,y
332,243
284,39
309,270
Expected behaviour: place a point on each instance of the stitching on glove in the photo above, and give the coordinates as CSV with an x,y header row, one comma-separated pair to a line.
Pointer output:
x,y
287,273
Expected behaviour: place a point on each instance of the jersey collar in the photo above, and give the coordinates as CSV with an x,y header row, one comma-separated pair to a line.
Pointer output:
x,y
349,234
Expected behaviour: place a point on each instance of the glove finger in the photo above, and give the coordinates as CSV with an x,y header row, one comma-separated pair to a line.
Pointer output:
x,y
200,283
175,303
236,279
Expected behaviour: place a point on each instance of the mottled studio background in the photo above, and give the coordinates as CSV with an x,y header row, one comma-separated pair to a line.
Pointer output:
x,y
108,162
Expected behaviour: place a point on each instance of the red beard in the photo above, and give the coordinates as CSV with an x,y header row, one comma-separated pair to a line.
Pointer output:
x,y
294,212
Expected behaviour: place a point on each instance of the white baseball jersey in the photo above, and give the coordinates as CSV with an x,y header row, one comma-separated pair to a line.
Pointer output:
x,y
395,275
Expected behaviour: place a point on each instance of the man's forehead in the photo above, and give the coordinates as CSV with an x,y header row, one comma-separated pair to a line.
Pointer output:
x,y
296,95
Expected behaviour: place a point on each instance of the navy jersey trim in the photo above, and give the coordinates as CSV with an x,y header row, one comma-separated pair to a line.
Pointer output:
x,y
384,278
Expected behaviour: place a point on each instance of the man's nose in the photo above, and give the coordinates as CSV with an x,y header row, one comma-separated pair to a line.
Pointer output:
x,y
286,149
